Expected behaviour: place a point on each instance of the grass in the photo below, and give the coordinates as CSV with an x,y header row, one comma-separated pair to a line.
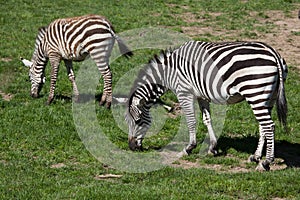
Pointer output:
x,y
43,157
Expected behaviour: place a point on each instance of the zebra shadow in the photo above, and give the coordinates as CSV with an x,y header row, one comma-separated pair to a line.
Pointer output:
x,y
289,152
83,98
62,98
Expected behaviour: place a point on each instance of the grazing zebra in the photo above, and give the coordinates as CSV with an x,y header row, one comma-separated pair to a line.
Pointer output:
x,y
222,73
72,39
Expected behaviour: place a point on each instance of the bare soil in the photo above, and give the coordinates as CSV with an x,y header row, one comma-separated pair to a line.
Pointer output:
x,y
278,164
6,97
284,37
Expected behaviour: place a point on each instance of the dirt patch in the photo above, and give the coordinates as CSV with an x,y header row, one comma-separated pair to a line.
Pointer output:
x,y
242,167
7,59
57,166
284,37
6,97
107,176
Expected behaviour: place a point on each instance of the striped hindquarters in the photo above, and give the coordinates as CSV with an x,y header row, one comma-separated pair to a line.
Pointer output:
x,y
74,37
226,73
222,72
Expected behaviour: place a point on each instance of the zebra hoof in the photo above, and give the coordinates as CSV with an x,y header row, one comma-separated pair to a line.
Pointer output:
x,y
212,152
182,153
263,166
76,99
252,158
50,99
108,105
190,148
101,103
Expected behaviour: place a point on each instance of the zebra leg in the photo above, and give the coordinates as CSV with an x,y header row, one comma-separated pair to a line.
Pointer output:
x,y
107,90
204,106
103,66
187,104
258,153
269,137
71,76
267,128
54,61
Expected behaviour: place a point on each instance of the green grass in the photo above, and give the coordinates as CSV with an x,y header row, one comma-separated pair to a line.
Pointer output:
x,y
43,157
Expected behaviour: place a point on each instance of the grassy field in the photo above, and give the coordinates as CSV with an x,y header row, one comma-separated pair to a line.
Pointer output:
x,y
43,157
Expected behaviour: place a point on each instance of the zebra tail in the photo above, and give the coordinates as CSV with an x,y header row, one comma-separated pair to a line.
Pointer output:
x,y
281,103
125,51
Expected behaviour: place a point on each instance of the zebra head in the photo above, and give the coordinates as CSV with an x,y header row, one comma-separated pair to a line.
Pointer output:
x,y
138,119
37,80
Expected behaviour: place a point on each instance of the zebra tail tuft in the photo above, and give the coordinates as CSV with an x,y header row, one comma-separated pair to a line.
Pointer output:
x,y
123,48
281,105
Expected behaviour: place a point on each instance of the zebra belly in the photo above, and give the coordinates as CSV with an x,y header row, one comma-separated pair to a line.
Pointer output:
x,y
235,98
80,56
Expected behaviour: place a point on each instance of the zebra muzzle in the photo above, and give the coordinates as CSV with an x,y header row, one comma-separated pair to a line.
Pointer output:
x,y
34,95
133,144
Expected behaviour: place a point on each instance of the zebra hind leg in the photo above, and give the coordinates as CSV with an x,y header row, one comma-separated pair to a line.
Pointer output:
x,y
102,61
264,165
204,106
107,92
266,129
256,157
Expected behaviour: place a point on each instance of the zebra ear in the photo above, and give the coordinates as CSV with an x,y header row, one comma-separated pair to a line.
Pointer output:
x,y
120,99
27,63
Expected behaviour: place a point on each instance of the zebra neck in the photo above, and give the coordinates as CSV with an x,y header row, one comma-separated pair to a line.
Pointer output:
x,y
150,93
40,47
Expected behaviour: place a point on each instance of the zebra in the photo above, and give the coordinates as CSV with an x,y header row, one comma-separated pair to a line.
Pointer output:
x,y
221,73
73,39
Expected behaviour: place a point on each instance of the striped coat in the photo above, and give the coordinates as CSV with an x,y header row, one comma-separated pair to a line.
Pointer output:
x,y
221,73
73,39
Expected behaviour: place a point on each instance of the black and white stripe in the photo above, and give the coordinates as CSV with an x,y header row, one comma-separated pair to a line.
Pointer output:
x,y
72,39
222,73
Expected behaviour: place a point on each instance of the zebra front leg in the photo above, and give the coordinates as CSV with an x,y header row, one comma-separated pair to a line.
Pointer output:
x,y
187,104
103,66
54,61
204,106
71,76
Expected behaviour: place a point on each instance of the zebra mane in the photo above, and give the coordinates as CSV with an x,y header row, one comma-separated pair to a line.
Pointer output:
x,y
41,33
157,59
144,74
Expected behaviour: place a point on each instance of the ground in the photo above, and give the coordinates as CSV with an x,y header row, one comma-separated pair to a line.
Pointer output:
x,y
284,37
